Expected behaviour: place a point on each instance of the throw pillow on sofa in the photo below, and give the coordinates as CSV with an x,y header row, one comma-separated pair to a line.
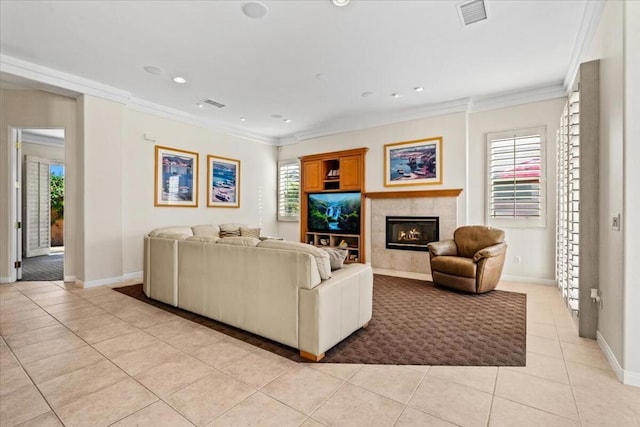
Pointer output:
x,y
206,239
336,257
321,257
250,232
239,241
228,230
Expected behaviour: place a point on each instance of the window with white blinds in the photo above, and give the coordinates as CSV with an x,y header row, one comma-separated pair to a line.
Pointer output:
x,y
289,190
516,178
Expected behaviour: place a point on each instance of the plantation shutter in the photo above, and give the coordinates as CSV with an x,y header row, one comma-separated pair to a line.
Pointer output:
x,y
289,190
36,199
516,182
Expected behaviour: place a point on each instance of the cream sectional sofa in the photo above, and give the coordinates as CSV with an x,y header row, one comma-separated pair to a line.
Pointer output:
x,y
271,288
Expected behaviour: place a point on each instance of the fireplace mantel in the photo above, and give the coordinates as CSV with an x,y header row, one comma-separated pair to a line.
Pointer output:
x,y
451,192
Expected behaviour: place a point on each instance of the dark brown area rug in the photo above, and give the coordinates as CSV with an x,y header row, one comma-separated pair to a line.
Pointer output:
x,y
414,323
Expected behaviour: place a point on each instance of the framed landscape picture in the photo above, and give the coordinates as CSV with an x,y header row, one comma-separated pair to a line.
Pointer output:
x,y
413,162
223,182
176,177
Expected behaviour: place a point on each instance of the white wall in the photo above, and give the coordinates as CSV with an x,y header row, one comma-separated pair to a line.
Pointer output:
x,y
257,191
631,213
534,246
607,46
35,109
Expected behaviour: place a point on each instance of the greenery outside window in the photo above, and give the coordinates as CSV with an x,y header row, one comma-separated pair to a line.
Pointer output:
x,y
516,178
289,190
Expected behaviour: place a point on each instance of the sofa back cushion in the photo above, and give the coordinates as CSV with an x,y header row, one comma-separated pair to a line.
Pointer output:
x,y
470,239
321,257
206,230
204,239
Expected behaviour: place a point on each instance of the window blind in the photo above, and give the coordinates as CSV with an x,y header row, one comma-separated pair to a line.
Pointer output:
x,y
289,190
516,175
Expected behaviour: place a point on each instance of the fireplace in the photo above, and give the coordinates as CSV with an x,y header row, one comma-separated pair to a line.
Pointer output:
x,y
412,233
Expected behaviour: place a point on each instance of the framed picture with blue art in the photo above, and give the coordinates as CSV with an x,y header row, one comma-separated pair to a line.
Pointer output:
x,y
416,162
176,177
223,182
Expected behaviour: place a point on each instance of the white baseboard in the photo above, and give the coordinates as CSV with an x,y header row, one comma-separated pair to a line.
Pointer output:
x,y
69,278
526,279
99,282
136,275
625,377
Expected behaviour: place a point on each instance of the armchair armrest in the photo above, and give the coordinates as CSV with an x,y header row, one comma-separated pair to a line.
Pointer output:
x,y
490,251
443,247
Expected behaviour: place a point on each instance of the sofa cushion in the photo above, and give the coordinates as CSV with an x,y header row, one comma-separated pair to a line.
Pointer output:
x,y
186,231
453,265
336,257
239,241
206,230
321,257
205,239
227,230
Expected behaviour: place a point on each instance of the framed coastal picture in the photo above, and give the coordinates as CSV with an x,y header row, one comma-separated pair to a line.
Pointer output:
x,y
223,182
176,177
416,162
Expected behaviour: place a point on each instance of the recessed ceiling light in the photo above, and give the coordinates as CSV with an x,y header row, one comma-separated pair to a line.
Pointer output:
x,y
179,79
152,69
321,76
276,116
396,95
287,120
340,3
366,94
243,119
418,89
200,105
254,9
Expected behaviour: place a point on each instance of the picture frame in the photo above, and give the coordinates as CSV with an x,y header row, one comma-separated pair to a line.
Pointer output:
x,y
417,162
176,177
223,182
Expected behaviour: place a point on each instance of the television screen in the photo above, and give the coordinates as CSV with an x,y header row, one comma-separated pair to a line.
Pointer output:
x,y
334,212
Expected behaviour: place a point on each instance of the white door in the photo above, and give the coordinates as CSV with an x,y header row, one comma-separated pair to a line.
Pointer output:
x,y
16,139
36,198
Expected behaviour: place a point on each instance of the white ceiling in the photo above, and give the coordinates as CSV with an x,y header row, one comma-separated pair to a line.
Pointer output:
x,y
307,61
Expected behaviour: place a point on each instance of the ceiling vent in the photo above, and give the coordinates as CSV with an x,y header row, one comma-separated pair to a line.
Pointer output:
x,y
472,11
214,103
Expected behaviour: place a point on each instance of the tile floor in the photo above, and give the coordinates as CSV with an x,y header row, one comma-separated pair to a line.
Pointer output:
x,y
94,357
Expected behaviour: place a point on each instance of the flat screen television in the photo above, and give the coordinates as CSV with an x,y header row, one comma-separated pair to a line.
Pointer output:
x,y
334,213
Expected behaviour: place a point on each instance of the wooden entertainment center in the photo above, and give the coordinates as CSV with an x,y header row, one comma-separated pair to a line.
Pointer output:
x,y
335,172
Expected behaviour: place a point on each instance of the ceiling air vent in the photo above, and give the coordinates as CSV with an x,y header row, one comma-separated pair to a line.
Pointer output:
x,y
214,103
472,11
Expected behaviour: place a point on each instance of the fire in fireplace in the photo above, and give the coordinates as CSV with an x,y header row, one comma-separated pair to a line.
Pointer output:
x,y
412,233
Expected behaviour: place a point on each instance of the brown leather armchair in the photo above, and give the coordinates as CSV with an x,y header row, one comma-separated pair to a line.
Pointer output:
x,y
471,262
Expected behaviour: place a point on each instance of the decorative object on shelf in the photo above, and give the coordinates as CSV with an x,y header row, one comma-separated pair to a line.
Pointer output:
x,y
416,162
333,174
176,177
324,242
223,182
343,244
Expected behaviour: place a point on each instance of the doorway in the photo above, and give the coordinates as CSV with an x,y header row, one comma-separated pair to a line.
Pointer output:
x,y
41,243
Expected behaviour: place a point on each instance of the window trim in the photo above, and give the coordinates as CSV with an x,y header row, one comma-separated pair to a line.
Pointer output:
x,y
288,218
518,222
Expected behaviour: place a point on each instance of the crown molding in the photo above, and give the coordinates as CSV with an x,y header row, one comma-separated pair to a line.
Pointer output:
x,y
354,123
181,116
31,138
512,98
75,86
588,27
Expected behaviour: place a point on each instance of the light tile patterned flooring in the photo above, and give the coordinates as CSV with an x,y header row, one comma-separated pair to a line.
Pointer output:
x,y
94,357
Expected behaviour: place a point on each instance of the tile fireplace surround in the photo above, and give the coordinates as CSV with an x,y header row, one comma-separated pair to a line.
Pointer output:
x,y
440,203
